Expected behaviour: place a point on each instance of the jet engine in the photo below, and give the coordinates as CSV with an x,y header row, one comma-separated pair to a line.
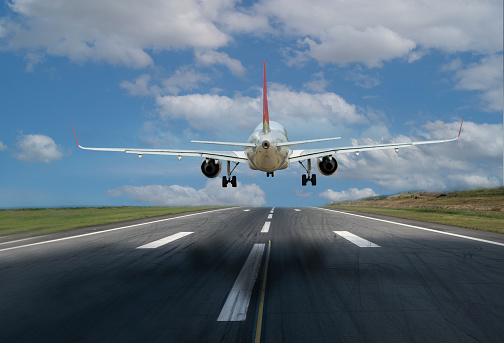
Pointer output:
x,y
327,165
211,168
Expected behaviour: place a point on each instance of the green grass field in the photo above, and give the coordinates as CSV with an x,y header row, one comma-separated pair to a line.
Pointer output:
x,y
49,220
481,209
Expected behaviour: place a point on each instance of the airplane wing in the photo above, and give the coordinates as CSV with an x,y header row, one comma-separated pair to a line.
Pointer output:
x,y
233,156
301,155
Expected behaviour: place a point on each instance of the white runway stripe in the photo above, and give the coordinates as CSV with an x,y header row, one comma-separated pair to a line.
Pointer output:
x,y
236,305
270,216
297,210
415,227
114,229
266,227
361,242
163,241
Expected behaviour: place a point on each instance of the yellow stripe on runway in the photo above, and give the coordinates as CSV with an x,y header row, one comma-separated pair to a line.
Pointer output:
x,y
261,302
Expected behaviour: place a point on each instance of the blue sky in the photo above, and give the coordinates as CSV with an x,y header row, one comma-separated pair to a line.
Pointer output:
x,y
160,73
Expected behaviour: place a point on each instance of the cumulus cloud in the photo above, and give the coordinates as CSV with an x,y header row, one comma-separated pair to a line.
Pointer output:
x,y
118,32
328,112
37,148
371,32
2,146
475,160
484,77
208,57
351,194
212,194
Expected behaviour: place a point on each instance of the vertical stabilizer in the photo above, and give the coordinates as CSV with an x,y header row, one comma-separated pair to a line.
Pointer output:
x,y
266,127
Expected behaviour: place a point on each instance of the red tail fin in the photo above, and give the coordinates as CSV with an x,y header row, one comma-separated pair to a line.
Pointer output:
x,y
266,127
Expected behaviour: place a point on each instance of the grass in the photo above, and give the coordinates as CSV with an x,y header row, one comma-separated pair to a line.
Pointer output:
x,y
49,220
480,209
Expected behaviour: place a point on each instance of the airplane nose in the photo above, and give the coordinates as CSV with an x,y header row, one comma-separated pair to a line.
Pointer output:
x,y
266,144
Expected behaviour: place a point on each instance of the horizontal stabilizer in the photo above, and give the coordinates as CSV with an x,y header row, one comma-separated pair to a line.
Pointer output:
x,y
307,141
245,145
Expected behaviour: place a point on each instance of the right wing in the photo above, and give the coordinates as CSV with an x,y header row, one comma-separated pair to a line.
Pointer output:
x,y
233,156
301,155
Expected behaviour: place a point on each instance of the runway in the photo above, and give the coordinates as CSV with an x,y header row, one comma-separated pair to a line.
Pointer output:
x,y
255,274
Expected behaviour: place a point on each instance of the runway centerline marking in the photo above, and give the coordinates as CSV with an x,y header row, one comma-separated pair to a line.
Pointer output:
x,y
266,227
359,241
270,216
246,210
297,210
416,227
237,303
110,230
163,241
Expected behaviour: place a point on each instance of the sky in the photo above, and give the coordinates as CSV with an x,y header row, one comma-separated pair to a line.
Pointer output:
x,y
157,73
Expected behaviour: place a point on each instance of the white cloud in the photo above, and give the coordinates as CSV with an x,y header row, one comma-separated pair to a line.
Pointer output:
x,y
212,194
323,112
2,146
37,148
486,78
302,194
117,32
351,194
475,160
371,31
317,84
209,57
371,46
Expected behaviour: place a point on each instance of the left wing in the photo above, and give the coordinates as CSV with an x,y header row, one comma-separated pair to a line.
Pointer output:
x,y
301,155
233,156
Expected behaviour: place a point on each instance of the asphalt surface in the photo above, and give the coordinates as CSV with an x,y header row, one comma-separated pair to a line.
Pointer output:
x,y
124,285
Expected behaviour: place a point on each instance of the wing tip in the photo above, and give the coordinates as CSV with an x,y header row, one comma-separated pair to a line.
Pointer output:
x,y
75,137
460,130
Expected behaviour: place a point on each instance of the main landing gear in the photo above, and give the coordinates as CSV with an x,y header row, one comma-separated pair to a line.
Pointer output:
x,y
306,177
229,179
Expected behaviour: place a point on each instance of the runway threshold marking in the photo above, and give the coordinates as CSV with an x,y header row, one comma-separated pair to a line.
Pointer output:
x,y
110,230
237,303
417,227
163,241
266,227
259,322
359,241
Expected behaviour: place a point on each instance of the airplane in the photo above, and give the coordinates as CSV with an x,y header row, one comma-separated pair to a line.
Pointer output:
x,y
268,149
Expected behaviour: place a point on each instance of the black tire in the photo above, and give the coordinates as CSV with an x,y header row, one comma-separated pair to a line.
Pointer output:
x,y
314,180
224,181
303,180
233,181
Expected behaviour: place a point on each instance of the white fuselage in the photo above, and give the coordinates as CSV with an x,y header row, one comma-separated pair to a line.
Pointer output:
x,y
266,155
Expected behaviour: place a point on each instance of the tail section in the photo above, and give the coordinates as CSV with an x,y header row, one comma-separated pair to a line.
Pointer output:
x,y
266,127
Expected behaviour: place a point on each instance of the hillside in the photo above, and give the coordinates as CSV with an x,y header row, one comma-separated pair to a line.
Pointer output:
x,y
481,209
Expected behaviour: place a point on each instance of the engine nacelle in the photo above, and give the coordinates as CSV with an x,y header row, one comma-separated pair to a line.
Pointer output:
x,y
327,165
211,168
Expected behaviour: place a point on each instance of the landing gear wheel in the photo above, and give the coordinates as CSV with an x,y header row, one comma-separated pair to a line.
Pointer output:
x,y
233,181
314,180
303,180
224,181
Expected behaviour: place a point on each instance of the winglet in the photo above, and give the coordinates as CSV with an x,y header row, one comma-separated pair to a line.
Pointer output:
x,y
75,137
460,127
266,127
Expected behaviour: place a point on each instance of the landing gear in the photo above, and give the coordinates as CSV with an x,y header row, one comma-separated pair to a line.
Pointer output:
x,y
270,173
225,181
306,177
229,179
